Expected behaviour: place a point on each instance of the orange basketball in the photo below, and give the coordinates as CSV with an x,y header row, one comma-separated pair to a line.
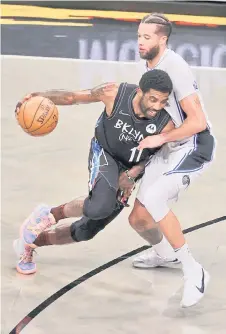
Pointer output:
x,y
38,116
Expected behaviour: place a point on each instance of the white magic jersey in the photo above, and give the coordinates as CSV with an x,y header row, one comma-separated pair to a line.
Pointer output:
x,y
184,83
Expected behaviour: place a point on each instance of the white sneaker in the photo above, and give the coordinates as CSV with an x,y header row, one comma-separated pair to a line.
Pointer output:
x,y
150,259
194,288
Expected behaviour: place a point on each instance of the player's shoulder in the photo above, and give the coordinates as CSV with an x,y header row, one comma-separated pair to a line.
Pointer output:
x,y
126,87
130,85
176,67
175,61
171,62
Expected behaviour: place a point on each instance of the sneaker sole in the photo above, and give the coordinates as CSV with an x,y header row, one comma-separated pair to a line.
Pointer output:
x,y
18,254
26,272
164,265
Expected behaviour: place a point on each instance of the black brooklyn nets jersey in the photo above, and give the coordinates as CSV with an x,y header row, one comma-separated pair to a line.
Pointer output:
x,y
121,133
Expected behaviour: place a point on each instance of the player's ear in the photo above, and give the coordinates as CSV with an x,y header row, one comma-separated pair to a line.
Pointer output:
x,y
163,40
139,92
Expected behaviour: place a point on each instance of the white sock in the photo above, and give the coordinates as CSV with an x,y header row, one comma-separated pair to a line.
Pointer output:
x,y
165,250
189,265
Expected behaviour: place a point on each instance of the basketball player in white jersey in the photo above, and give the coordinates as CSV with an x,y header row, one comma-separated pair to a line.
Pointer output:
x,y
186,151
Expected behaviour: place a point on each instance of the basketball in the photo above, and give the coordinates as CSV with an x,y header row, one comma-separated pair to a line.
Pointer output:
x,y
38,116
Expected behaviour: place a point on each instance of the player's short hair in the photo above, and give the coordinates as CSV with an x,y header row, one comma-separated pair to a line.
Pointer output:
x,y
164,26
156,79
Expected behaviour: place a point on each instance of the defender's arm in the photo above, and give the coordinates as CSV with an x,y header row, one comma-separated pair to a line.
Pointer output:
x,y
127,179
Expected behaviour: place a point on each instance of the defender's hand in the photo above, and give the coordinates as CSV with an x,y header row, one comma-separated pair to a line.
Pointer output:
x,y
151,142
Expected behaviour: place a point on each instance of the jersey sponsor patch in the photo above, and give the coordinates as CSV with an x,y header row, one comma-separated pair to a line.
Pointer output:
x,y
151,128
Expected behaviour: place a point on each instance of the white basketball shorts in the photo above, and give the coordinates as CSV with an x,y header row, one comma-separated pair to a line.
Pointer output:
x,y
171,170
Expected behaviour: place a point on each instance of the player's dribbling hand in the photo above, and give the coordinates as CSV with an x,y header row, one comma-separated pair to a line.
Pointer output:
x,y
19,104
125,185
151,142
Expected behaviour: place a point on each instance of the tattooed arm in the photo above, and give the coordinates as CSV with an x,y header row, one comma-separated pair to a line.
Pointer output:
x,y
101,93
105,93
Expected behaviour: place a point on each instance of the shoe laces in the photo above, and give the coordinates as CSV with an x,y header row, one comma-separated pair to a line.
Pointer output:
x,y
28,254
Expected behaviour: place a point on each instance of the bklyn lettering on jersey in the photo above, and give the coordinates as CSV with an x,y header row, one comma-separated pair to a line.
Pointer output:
x,y
128,133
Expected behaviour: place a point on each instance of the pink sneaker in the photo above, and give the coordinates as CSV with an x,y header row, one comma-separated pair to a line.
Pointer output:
x,y
39,220
26,265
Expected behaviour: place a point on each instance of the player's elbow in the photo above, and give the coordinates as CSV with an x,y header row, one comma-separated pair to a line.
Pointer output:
x,y
201,123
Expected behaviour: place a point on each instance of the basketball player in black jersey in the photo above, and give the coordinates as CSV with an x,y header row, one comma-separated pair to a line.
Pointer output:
x,y
131,113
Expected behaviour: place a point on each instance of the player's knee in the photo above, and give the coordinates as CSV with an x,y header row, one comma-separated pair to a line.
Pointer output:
x,y
138,223
137,218
133,218
81,233
86,229
101,207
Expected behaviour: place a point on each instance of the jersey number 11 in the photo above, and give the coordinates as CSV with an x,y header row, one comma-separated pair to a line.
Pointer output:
x,y
133,155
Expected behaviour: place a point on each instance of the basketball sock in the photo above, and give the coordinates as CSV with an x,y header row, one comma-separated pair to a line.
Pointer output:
x,y
165,250
189,264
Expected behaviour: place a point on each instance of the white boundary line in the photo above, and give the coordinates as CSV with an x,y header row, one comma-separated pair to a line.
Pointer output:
x,y
199,68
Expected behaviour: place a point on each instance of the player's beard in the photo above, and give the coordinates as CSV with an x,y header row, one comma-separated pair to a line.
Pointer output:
x,y
151,54
146,111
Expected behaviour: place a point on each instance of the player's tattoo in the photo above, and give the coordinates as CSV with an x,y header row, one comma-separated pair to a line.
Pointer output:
x,y
59,97
152,235
103,89
65,97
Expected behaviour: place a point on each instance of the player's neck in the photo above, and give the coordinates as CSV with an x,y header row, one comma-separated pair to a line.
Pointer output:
x,y
154,62
136,107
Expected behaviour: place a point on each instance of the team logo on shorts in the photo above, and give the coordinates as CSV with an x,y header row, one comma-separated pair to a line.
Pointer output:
x,y
195,85
186,180
151,128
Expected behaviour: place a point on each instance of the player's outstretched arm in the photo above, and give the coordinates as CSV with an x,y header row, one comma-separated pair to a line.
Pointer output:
x,y
102,93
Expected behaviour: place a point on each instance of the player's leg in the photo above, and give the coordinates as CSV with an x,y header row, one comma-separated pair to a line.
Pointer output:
x,y
196,278
72,209
99,205
81,230
156,202
155,199
161,253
